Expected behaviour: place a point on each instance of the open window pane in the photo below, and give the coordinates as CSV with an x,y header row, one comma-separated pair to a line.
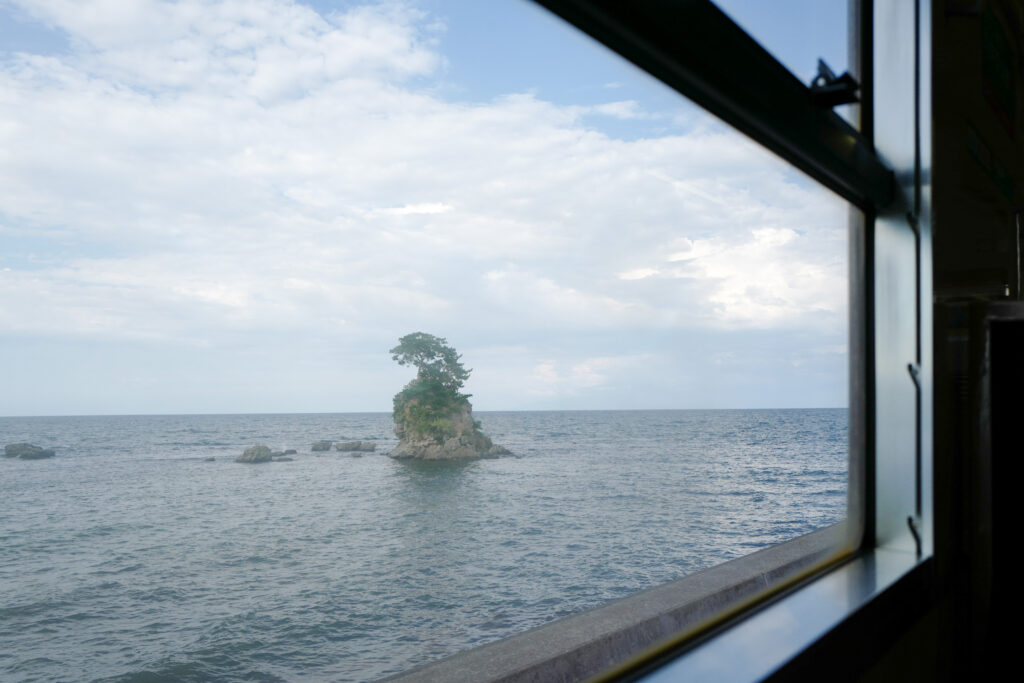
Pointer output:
x,y
797,32
215,223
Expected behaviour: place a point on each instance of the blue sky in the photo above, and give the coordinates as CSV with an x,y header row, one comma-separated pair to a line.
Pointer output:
x,y
227,206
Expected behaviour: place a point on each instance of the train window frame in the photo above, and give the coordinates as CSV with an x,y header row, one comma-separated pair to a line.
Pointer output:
x,y
713,623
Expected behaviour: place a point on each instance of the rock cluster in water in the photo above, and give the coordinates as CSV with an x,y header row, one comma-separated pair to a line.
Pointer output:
x,y
356,446
260,453
27,451
462,438
254,454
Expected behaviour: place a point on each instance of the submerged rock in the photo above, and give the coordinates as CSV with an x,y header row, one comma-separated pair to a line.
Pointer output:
x,y
290,451
350,446
254,454
322,445
453,448
27,451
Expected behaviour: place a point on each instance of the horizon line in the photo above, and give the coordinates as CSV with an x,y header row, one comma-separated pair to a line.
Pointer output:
x,y
385,412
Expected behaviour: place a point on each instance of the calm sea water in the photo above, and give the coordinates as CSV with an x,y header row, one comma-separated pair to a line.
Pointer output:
x,y
129,557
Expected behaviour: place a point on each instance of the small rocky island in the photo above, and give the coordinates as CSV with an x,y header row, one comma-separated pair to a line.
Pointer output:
x,y
433,419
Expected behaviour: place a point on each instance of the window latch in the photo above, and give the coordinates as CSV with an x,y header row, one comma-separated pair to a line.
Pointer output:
x,y
829,90
916,534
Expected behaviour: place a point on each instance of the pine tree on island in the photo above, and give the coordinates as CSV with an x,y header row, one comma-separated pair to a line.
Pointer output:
x,y
433,418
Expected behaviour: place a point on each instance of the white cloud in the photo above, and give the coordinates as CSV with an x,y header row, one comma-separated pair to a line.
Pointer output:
x,y
554,378
425,209
638,273
771,276
536,300
625,109
195,170
265,49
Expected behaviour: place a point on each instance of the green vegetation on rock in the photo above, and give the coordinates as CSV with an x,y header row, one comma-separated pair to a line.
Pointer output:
x,y
435,361
433,418
428,405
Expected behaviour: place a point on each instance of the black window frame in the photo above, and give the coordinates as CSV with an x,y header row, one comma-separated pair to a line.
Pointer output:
x,y
711,626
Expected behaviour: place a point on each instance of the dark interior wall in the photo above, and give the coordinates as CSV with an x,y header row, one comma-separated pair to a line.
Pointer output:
x,y
1005,385
978,93
978,169
977,47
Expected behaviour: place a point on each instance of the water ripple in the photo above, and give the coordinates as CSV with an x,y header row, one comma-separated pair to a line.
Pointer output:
x,y
130,558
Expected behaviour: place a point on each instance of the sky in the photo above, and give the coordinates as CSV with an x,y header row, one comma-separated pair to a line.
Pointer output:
x,y
239,206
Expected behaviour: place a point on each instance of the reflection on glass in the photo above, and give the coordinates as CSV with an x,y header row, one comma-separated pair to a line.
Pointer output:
x,y
219,221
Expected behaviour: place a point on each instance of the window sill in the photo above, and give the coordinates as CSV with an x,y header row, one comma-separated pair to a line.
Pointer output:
x,y
797,637
592,642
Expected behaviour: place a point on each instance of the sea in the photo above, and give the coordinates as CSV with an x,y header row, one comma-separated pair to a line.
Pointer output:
x,y
131,556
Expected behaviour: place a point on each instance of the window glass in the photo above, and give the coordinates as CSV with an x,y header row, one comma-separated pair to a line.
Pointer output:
x,y
797,32
215,221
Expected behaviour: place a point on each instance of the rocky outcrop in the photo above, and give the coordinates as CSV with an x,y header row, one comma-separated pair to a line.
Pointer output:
x,y
27,451
322,445
255,454
354,446
459,438
454,448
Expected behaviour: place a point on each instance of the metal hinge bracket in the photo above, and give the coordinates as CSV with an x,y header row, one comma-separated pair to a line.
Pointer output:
x,y
829,90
